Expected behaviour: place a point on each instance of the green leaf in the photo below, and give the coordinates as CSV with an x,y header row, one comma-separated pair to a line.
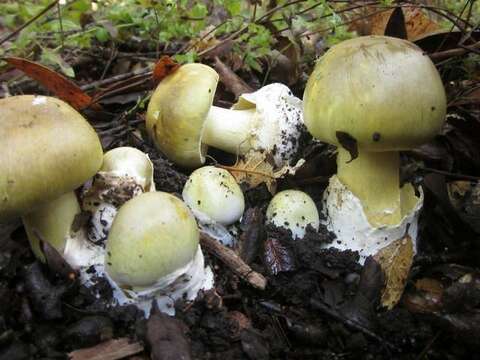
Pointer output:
x,y
102,34
50,57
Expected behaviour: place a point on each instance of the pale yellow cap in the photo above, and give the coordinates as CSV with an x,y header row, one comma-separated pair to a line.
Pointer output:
x,y
383,91
178,110
47,149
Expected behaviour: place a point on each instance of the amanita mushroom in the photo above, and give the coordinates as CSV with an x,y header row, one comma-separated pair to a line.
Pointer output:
x,y
214,194
153,252
293,210
183,123
382,95
48,150
125,173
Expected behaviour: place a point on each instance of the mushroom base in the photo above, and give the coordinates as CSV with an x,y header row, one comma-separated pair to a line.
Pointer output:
x,y
184,283
344,215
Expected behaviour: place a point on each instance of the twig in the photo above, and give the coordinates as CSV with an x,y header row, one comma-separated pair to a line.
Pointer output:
x,y
450,174
108,350
60,22
231,80
351,323
429,345
96,84
233,261
41,13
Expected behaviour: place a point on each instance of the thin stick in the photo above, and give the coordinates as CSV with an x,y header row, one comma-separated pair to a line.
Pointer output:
x,y
442,55
316,304
233,261
16,31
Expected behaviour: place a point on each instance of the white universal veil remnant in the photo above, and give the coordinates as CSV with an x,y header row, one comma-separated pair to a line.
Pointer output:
x,y
216,200
153,252
293,210
384,95
183,123
48,150
126,172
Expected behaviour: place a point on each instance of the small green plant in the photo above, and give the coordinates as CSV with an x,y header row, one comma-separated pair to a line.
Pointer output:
x,y
171,24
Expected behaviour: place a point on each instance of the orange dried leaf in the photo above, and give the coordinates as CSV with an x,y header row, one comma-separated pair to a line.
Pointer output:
x,y
417,23
396,260
164,67
54,82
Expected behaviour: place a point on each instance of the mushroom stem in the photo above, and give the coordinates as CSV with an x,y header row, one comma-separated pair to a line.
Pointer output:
x,y
52,221
229,130
374,177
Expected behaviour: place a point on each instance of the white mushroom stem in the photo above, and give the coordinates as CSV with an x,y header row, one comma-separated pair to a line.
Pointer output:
x,y
229,130
374,178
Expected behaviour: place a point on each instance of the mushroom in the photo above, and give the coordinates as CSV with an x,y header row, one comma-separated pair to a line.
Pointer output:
x,y
153,252
183,123
379,95
293,210
125,173
48,150
213,194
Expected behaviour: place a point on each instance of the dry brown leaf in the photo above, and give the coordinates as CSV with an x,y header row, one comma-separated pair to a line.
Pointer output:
x,y
432,286
109,350
417,23
164,67
256,168
55,82
205,40
396,260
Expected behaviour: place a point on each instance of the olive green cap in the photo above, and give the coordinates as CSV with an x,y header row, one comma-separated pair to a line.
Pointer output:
x,y
178,110
47,149
383,91
152,235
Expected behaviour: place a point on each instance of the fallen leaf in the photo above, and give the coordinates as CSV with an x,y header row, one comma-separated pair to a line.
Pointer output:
x,y
256,168
54,82
373,21
396,24
108,350
166,337
206,39
465,199
417,24
349,143
277,257
253,170
396,260
164,67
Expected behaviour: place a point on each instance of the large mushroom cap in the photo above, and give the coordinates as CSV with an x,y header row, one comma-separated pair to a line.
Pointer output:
x,y
153,235
47,149
177,112
382,91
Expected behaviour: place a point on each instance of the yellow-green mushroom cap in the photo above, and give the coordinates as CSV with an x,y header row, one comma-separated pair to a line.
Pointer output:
x,y
47,149
153,235
177,112
384,92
